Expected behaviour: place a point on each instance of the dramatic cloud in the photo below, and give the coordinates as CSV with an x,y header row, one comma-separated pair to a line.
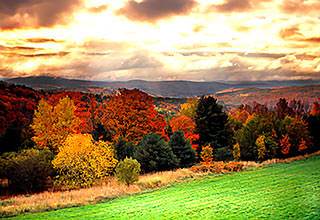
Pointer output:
x,y
236,5
35,13
152,10
300,6
161,39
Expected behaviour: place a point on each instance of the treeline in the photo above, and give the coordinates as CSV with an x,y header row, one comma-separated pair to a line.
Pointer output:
x,y
74,139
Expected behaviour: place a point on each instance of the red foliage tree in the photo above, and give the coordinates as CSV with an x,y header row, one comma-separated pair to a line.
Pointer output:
x,y
187,125
131,114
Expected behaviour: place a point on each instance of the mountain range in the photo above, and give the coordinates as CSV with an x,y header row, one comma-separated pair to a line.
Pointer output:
x,y
177,88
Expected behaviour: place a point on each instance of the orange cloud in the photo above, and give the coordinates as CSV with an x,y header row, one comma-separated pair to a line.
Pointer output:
x,y
300,6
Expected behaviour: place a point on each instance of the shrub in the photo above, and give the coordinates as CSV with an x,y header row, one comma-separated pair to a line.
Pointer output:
x,y
81,161
128,171
182,149
207,154
28,170
154,154
218,167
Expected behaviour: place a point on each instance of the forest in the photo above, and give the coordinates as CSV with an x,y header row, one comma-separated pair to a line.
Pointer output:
x,y
67,140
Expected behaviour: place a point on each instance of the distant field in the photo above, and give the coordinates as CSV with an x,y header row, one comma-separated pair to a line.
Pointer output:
x,y
280,191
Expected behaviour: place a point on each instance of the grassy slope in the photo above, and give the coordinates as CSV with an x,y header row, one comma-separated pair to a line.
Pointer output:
x,y
279,191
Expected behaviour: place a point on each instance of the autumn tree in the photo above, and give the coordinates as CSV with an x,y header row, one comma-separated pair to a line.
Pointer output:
x,y
302,145
248,134
282,109
189,108
285,145
131,114
261,147
207,154
181,147
52,124
236,151
187,126
81,161
296,129
315,109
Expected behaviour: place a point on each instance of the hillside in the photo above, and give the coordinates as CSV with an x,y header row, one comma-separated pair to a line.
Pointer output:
x,y
178,89
270,96
279,191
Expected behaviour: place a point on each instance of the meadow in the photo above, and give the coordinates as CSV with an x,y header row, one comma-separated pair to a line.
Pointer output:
x,y
277,191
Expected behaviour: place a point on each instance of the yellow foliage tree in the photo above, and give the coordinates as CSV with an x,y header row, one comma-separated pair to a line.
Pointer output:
x,y
189,108
261,147
52,124
236,151
81,161
207,154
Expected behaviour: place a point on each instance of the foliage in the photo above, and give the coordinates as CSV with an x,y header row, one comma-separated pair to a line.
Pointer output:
x,y
189,108
207,154
28,170
52,124
154,154
247,136
187,125
285,145
261,147
131,115
17,105
302,145
127,171
81,161
297,130
236,151
315,109
124,149
182,149
211,123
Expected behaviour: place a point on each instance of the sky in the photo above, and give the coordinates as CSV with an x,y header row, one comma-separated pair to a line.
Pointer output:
x,y
199,40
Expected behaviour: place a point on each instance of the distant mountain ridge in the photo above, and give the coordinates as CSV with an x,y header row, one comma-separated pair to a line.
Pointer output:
x,y
179,88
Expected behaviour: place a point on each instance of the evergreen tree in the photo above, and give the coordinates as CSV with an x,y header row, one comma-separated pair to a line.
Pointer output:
x,y
124,149
154,154
182,149
211,123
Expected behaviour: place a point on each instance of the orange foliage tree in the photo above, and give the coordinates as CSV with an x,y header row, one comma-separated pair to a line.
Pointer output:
x,y
131,114
207,154
285,145
187,126
52,124
315,110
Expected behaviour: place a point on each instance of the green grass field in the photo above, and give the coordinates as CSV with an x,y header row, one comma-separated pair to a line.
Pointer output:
x,y
280,191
